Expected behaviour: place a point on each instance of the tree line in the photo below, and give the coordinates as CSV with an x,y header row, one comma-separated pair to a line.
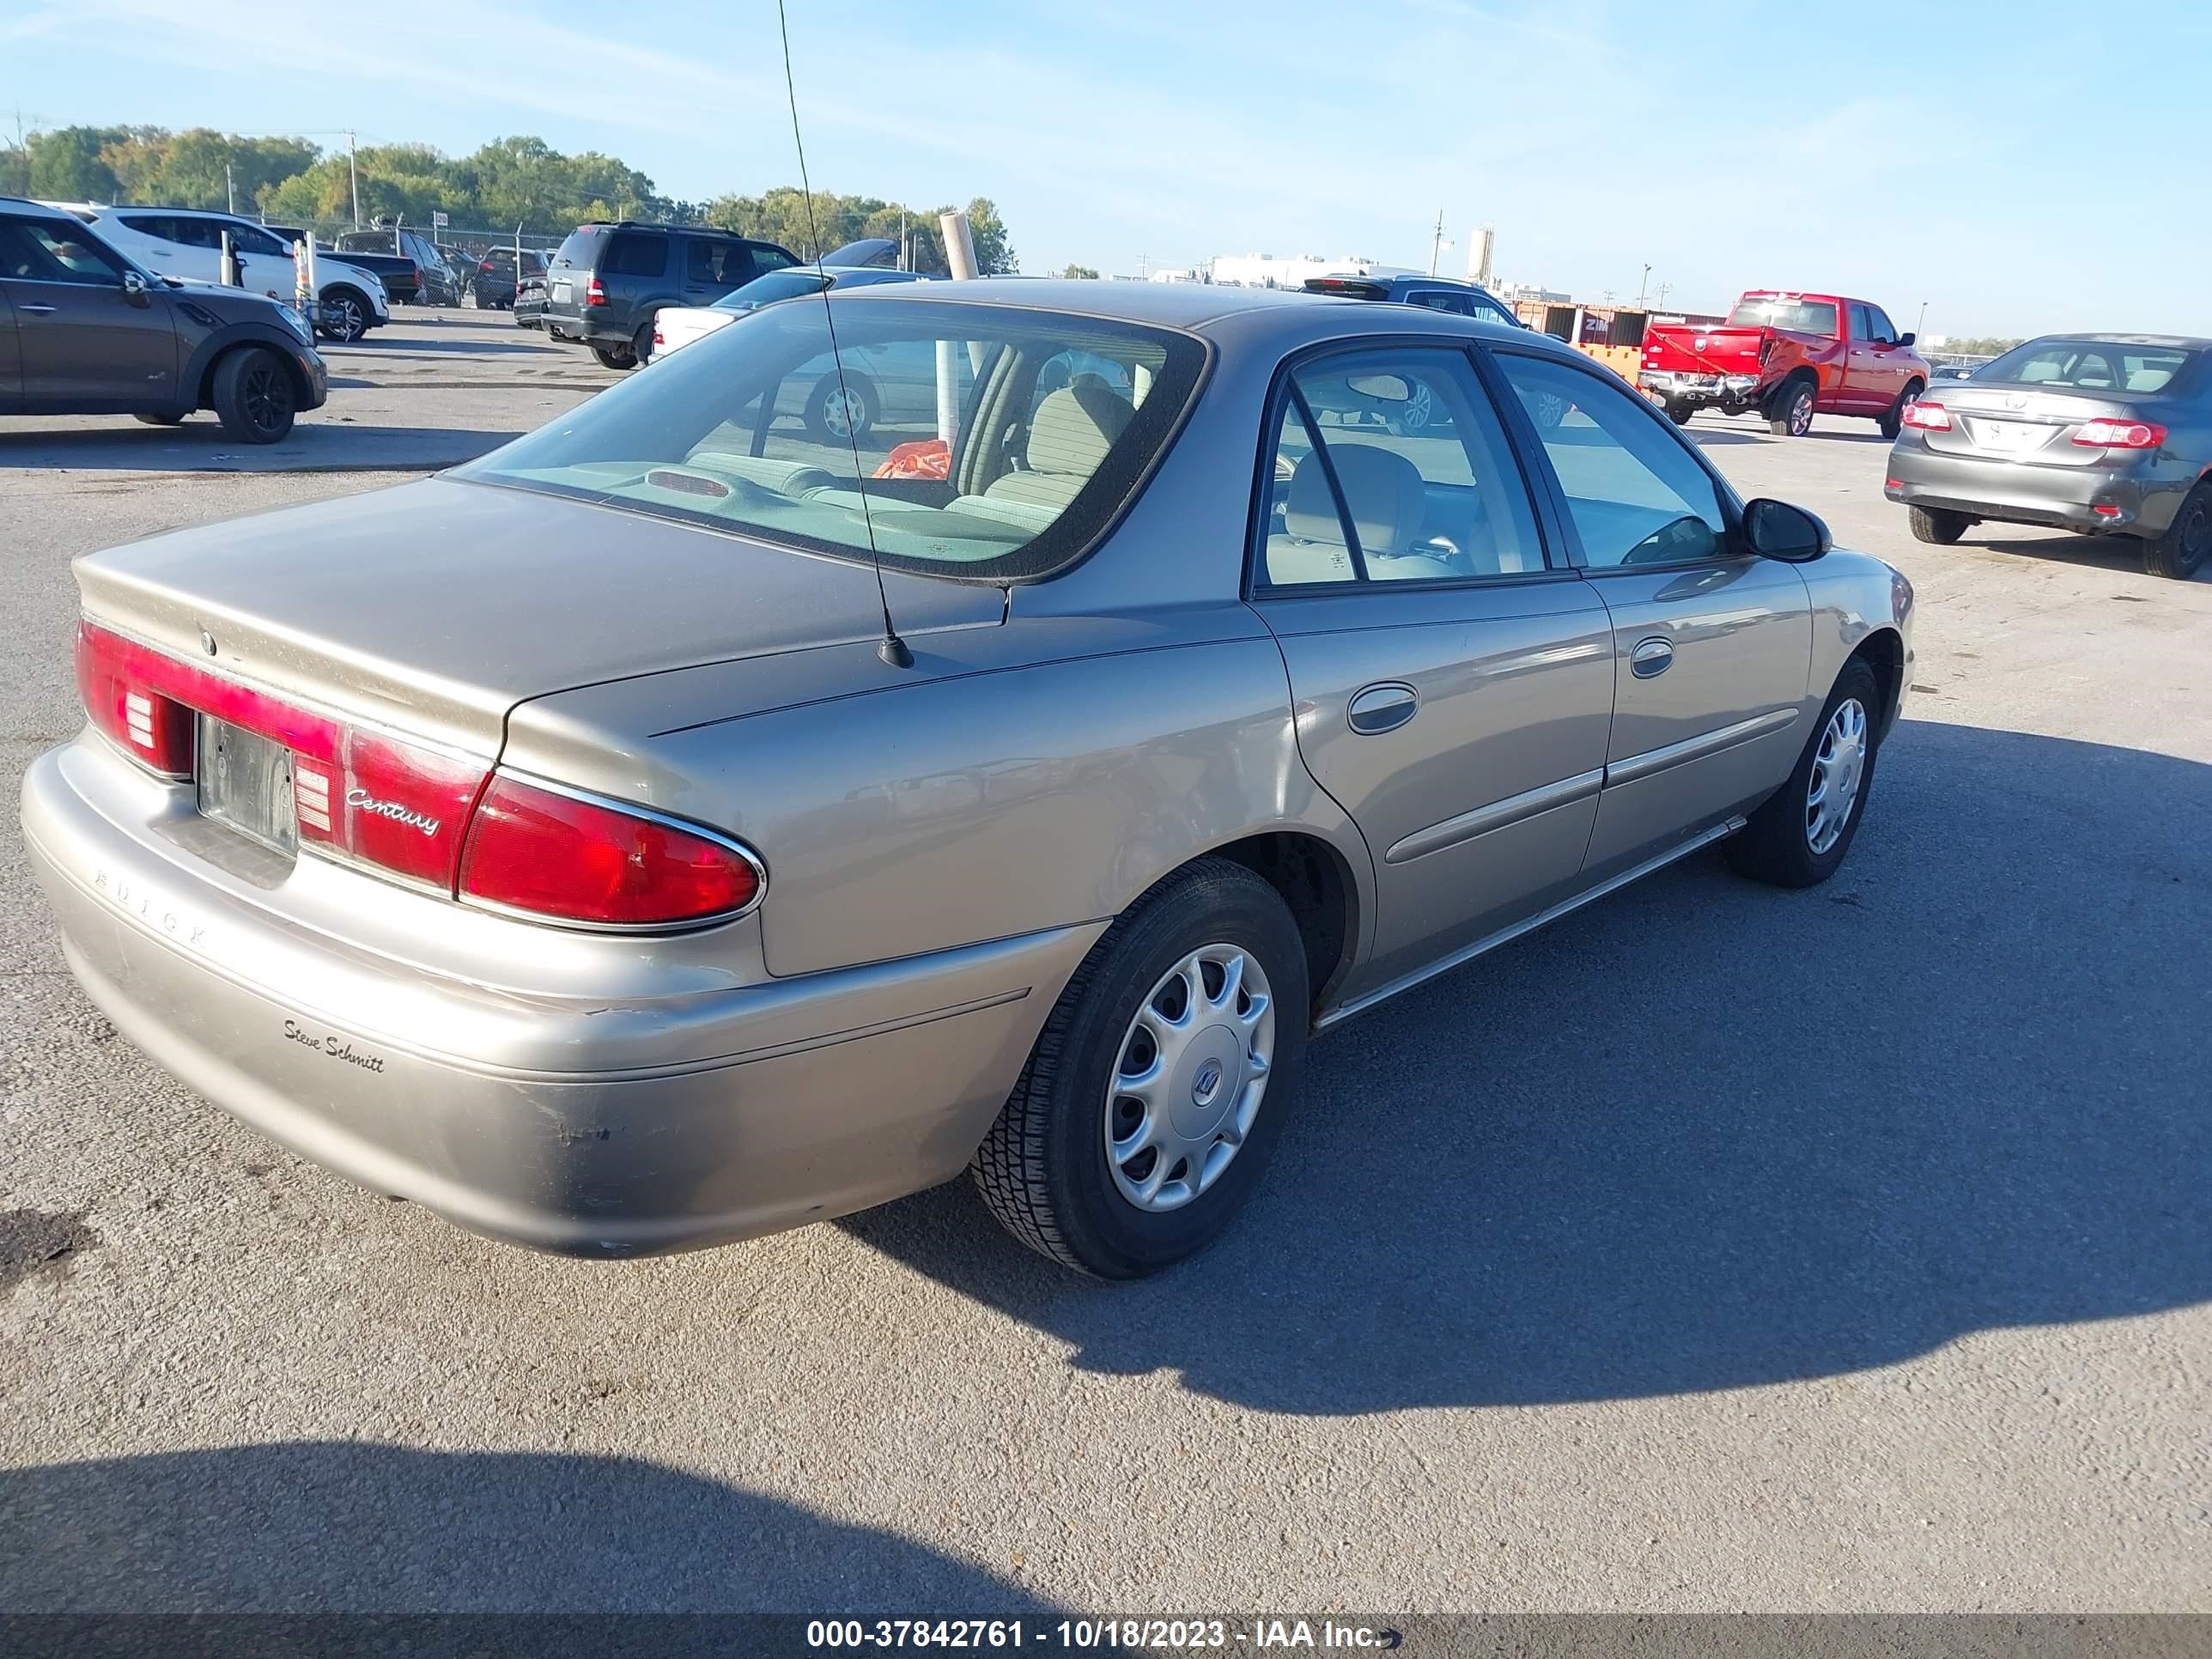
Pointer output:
x,y
510,184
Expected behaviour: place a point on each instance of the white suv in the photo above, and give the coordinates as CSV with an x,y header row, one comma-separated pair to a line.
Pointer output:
x,y
188,242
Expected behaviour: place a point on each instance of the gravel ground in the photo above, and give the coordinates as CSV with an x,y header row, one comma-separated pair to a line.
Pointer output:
x,y
1719,1249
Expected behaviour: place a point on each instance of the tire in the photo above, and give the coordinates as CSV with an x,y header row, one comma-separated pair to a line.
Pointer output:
x,y
159,420
1048,1171
2180,552
1891,421
616,356
346,314
1420,410
254,397
640,345
859,406
1680,413
1938,525
1790,414
1787,841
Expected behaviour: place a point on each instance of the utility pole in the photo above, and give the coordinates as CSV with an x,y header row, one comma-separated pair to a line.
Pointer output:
x,y
1436,243
1665,288
353,166
1921,327
1641,286
230,186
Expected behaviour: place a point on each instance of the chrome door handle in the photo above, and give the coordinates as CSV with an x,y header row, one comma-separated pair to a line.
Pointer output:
x,y
36,311
1382,708
1651,658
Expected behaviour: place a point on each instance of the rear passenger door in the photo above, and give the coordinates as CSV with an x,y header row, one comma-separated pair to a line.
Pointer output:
x,y
1711,647
11,362
1454,685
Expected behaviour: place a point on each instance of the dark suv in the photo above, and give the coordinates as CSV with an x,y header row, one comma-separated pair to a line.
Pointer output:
x,y
1461,299
608,280
85,332
498,276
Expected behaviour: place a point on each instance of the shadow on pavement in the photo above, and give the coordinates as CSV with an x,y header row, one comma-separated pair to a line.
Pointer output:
x,y
1708,1134
2092,552
320,1526
319,443
373,346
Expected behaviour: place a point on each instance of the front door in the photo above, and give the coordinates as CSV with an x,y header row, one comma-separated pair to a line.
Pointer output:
x,y
11,369
1711,650
1453,685
82,338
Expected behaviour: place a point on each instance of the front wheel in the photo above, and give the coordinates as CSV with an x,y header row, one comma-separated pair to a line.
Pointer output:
x,y
1891,421
2179,552
253,396
1157,1089
345,315
841,411
1800,836
1791,413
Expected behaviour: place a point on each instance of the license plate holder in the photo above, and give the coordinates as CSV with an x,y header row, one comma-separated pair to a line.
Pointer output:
x,y
245,784
2010,437
560,290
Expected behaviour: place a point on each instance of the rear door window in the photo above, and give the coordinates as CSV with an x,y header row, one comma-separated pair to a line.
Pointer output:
x,y
719,264
770,258
636,253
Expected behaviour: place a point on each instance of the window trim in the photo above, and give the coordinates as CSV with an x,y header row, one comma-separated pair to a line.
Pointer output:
x,y
1254,589
1523,430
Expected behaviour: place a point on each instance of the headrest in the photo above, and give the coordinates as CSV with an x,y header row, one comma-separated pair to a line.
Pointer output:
x,y
1075,427
1382,490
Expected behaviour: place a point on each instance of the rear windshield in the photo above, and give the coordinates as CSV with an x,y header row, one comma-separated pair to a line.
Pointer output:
x,y
2089,365
1800,316
581,248
1052,421
776,285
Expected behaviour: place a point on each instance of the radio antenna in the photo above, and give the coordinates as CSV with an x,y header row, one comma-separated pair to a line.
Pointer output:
x,y
891,648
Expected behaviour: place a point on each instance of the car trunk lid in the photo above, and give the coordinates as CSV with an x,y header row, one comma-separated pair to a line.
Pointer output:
x,y
436,608
1996,421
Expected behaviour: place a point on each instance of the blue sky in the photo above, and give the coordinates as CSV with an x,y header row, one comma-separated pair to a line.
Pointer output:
x,y
2019,168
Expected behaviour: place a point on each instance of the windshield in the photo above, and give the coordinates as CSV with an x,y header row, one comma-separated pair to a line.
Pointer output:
x,y
1785,311
1052,421
2089,366
776,285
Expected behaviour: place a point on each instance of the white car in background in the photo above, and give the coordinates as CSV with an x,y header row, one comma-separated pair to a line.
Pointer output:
x,y
187,242
679,326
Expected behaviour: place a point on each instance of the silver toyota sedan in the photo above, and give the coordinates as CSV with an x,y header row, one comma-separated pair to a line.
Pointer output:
x,y
748,829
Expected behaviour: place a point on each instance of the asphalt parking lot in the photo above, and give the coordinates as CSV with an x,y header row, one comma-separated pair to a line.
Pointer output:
x,y
1718,1248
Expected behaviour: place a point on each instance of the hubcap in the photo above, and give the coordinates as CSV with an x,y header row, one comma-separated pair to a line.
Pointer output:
x,y
1839,770
1801,414
843,413
2196,537
268,399
1418,408
1192,1072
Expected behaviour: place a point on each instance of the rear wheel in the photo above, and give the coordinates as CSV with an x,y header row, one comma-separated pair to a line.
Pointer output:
x,y
841,413
1790,414
1159,1085
1938,525
1680,413
253,396
345,315
616,357
1800,836
2181,551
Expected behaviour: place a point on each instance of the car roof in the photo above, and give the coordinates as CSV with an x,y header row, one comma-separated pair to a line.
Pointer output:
x,y
1282,315
2171,342
31,209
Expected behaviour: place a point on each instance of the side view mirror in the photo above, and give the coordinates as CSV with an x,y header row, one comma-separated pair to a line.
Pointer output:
x,y
1907,337
1776,529
133,286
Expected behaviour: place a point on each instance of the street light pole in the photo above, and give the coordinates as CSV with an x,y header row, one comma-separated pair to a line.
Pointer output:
x,y
1922,327
353,167
1641,286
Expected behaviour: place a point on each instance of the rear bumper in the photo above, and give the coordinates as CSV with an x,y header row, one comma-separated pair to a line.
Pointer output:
x,y
2138,499
656,1117
1699,390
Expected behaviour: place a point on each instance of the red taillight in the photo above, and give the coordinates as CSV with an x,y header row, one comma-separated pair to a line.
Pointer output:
x,y
486,265
126,702
1929,417
2119,435
571,859
594,294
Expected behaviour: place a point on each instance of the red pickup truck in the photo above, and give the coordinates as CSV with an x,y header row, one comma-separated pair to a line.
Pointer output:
x,y
1787,356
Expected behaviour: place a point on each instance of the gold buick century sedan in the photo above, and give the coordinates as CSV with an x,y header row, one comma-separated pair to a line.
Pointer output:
x,y
748,829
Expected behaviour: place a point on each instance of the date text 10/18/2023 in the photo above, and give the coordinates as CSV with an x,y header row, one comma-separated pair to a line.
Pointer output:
x,y
1077,1634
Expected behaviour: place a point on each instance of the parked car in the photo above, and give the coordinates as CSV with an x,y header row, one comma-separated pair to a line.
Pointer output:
x,y
674,326
608,282
188,242
1789,356
414,272
2109,434
529,306
708,905
1950,372
494,283
1446,294
86,331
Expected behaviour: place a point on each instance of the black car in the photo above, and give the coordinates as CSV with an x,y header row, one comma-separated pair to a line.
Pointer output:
x,y
493,284
607,281
1461,299
414,272
85,332
530,302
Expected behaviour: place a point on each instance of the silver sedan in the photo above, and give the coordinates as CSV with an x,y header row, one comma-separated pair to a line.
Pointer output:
x,y
750,829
